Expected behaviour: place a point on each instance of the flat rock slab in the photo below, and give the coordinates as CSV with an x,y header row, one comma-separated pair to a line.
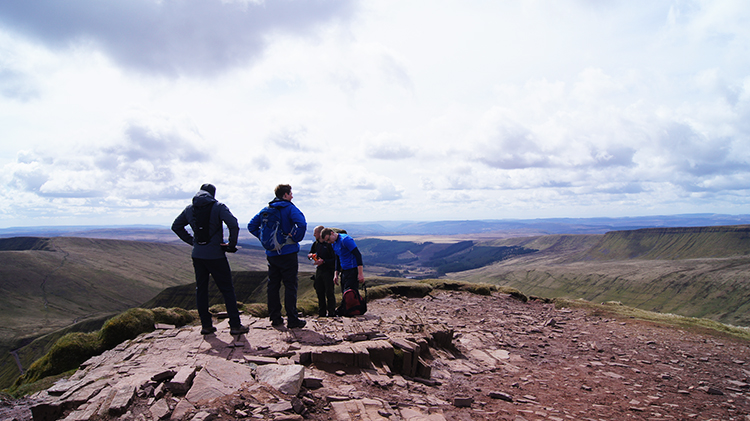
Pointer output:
x,y
285,378
376,410
219,378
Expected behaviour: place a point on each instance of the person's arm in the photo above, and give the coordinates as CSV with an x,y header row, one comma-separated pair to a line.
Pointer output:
x,y
232,225
337,270
360,265
299,225
254,226
313,252
313,249
178,226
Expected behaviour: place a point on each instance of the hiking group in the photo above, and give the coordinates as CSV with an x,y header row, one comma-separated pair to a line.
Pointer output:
x,y
280,227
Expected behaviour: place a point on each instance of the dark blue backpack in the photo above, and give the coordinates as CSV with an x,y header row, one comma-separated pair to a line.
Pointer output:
x,y
271,235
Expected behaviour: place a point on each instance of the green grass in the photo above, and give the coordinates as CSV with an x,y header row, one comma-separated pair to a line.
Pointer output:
x,y
67,354
127,325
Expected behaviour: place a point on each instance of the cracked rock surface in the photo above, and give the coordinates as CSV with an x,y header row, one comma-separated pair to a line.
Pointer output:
x,y
451,355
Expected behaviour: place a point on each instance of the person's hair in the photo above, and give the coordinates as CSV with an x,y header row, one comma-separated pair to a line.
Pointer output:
x,y
209,188
282,189
326,232
318,229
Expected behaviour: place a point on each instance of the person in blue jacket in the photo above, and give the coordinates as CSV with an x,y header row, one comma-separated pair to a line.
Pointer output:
x,y
209,258
282,264
349,262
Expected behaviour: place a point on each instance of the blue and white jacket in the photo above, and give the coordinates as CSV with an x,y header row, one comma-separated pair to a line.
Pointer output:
x,y
293,224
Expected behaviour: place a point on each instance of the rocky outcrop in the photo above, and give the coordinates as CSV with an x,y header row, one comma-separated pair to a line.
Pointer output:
x,y
450,355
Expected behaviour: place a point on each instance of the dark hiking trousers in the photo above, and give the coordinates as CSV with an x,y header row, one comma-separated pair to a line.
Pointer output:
x,y
283,270
222,275
349,279
324,288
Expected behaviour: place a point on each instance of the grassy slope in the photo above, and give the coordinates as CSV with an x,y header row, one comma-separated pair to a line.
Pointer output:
x,y
654,269
673,243
78,278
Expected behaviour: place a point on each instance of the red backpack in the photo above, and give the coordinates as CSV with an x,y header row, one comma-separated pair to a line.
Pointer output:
x,y
352,304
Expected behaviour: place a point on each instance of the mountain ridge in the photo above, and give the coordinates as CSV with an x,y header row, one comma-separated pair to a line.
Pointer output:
x,y
697,272
489,227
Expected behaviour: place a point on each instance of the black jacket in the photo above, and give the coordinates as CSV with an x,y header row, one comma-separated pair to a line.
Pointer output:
x,y
325,252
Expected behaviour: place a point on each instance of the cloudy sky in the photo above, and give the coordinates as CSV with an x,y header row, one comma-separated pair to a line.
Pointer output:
x,y
116,112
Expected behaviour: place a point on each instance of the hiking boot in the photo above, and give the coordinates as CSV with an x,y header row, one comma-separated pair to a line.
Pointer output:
x,y
239,330
208,330
295,324
277,323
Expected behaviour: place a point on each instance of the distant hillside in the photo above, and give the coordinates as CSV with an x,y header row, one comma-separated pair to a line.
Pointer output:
x,y
48,283
428,259
531,227
673,243
698,272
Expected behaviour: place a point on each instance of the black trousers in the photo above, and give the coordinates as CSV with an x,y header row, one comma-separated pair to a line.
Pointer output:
x,y
283,270
349,279
222,274
324,288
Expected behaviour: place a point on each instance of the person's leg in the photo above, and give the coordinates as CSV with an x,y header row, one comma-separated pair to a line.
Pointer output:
x,y
330,294
274,286
289,271
320,290
201,292
349,279
223,278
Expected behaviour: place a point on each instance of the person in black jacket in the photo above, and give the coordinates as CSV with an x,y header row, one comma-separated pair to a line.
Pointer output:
x,y
324,258
209,258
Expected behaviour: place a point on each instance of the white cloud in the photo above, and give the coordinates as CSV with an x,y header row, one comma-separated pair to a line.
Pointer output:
x,y
386,146
374,110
